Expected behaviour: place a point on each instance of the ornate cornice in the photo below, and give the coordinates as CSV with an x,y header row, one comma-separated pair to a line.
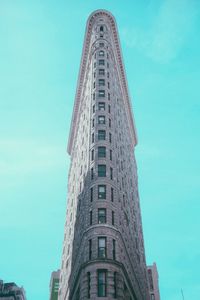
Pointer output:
x,y
82,72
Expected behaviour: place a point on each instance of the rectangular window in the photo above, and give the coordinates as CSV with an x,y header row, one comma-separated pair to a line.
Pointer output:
x,y
93,109
91,217
101,120
101,53
88,284
102,247
110,137
101,93
101,152
92,123
101,82
90,249
112,194
95,65
101,135
111,173
101,72
101,44
92,154
115,284
94,85
110,154
92,173
108,85
101,62
93,96
101,170
110,123
113,218
102,282
109,109
101,215
108,96
107,65
114,254
101,106
108,75
94,74
91,194
101,191
93,138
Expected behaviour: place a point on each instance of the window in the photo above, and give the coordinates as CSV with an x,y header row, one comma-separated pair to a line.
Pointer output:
x,y
93,138
94,75
101,28
101,105
101,152
92,123
101,215
114,255
88,285
101,44
112,194
93,109
108,85
111,173
95,65
102,247
101,191
109,122
101,53
101,93
113,218
152,297
101,82
101,135
101,170
91,217
94,85
102,282
91,194
108,75
110,137
107,65
101,119
92,154
115,284
93,96
101,62
90,249
107,56
110,154
109,110
101,72
108,96
92,173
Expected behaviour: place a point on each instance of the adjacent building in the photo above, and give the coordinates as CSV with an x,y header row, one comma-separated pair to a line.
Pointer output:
x,y
54,285
153,282
10,291
103,250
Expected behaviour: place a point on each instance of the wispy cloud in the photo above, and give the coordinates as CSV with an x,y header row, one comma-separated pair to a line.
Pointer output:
x,y
168,31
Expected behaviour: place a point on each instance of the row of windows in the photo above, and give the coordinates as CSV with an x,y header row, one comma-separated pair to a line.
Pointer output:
x,y
101,153
102,283
101,62
101,82
101,94
102,216
101,193
101,121
102,248
102,136
101,172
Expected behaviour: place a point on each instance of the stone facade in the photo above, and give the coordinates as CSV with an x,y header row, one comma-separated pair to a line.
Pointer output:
x,y
103,250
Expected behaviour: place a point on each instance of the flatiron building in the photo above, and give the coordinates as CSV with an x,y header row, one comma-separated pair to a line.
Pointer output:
x,y
103,251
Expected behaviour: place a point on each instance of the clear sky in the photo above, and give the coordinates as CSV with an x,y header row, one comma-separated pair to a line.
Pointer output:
x,y
40,49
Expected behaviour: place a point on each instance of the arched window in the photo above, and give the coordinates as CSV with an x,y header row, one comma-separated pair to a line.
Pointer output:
x,y
101,53
101,28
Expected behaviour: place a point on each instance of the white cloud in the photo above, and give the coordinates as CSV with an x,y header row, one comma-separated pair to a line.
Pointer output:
x,y
167,33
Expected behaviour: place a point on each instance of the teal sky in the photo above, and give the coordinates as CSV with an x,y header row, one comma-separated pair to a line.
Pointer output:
x,y
40,49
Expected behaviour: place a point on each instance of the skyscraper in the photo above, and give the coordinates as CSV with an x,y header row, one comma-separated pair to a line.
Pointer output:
x,y
54,285
103,249
10,291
